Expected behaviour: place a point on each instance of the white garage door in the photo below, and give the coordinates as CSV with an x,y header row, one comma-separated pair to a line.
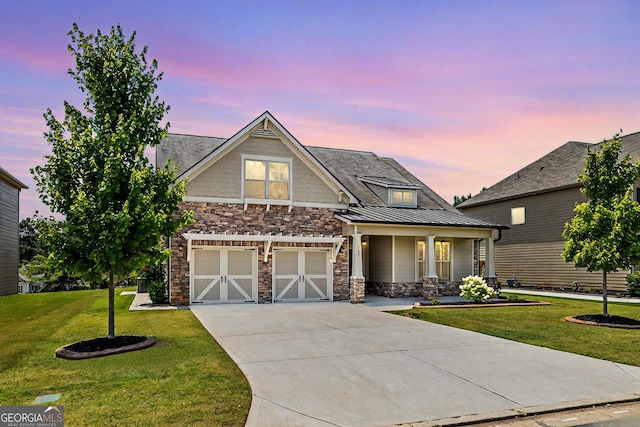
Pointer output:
x,y
224,275
302,275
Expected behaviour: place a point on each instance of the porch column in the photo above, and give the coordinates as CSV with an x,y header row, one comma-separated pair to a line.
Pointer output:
x,y
489,264
430,258
356,256
357,277
430,279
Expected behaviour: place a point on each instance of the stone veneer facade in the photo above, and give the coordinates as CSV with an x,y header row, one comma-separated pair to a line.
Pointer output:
x,y
219,218
430,286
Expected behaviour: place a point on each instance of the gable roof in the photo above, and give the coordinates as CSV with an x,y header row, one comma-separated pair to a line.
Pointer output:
x,y
6,176
218,147
556,170
359,173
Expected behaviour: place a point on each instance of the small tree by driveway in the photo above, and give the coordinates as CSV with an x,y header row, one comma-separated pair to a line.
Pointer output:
x,y
604,233
117,206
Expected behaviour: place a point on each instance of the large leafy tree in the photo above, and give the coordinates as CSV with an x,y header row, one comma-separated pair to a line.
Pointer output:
x,y
604,233
117,206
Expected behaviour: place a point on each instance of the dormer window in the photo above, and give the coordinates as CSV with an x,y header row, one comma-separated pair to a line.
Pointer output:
x,y
403,198
399,194
267,178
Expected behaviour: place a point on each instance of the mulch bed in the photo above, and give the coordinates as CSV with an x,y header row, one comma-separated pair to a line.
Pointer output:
x,y
602,320
104,346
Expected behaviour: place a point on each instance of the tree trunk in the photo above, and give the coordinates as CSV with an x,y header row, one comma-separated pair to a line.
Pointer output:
x,y
112,288
605,309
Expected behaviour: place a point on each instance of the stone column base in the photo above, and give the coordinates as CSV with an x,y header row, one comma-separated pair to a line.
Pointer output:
x,y
430,286
357,290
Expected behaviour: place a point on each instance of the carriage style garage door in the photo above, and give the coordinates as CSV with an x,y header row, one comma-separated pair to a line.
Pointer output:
x,y
302,275
224,275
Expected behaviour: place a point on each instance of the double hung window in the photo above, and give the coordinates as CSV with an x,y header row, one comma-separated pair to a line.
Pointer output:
x,y
267,179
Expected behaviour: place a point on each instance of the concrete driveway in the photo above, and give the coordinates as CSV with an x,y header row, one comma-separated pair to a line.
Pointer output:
x,y
335,363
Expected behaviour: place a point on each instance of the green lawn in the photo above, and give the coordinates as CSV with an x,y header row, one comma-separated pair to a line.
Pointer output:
x,y
544,326
185,379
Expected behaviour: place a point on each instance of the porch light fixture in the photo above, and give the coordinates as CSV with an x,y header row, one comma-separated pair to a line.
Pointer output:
x,y
364,242
442,241
180,247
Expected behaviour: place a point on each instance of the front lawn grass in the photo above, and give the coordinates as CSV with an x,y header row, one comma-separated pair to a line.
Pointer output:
x,y
185,379
544,326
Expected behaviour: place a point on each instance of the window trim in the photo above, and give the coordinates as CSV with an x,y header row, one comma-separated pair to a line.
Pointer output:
x,y
403,190
524,215
448,262
267,201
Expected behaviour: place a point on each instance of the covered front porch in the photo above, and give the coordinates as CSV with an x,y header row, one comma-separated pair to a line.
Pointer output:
x,y
421,261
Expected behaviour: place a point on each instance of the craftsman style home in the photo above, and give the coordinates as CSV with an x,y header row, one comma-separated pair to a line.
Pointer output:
x,y
9,232
536,202
277,221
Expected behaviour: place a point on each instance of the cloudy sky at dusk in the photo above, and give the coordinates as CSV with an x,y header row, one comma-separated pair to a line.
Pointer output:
x,y
463,93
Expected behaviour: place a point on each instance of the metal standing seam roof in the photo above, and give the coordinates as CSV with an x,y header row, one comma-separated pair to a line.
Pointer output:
x,y
412,216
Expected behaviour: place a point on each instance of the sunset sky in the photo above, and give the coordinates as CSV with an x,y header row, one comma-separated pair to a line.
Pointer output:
x,y
462,93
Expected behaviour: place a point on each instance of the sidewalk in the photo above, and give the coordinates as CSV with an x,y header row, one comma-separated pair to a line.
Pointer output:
x,y
142,302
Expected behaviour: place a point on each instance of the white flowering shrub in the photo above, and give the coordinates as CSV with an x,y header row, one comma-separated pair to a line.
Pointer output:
x,y
475,289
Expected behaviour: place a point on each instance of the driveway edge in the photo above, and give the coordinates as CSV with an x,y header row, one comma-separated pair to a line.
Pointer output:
x,y
466,420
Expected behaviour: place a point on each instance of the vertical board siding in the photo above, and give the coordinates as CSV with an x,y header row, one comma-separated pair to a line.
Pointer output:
x,y
542,263
380,259
462,258
9,238
405,259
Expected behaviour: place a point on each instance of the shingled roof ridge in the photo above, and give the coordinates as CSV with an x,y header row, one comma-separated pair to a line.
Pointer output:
x,y
341,149
197,136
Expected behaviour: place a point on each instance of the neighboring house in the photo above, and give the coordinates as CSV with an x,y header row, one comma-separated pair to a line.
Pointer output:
x,y
9,232
277,221
26,286
537,201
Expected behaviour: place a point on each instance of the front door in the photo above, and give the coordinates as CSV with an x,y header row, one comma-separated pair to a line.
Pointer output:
x,y
302,275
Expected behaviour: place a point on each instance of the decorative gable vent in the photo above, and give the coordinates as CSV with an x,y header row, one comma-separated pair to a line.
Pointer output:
x,y
262,133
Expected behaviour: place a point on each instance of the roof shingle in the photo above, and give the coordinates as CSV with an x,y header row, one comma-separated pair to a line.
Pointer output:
x,y
558,169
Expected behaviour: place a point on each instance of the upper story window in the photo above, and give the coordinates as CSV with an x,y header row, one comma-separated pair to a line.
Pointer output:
x,y
266,178
403,198
517,216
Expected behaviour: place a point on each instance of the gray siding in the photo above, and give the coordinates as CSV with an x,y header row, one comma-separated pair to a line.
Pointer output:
x,y
406,258
542,263
9,238
380,259
532,252
462,258
545,215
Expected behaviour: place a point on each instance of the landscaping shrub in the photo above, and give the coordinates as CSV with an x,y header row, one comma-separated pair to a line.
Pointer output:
x,y
157,292
475,289
156,277
633,282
